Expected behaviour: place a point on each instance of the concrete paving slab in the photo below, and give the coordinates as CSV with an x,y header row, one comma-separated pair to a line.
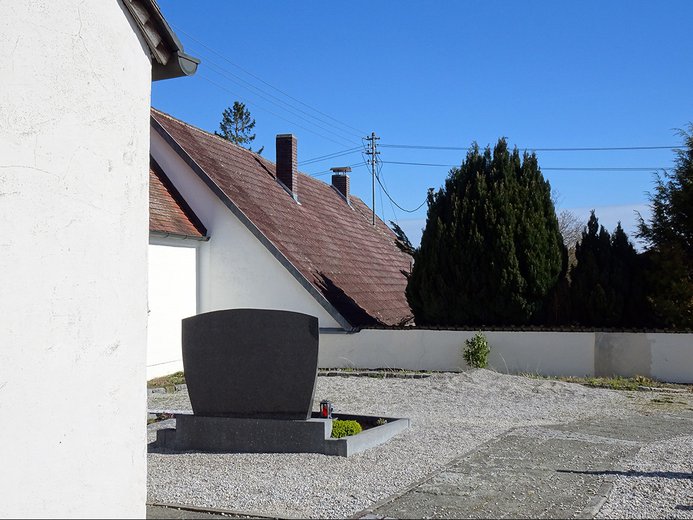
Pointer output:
x,y
561,471
640,428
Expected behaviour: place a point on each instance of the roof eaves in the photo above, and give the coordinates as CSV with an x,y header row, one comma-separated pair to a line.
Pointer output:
x,y
179,236
168,57
178,199
273,249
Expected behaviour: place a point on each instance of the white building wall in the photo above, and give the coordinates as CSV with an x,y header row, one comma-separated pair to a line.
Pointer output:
x,y
235,270
172,297
74,140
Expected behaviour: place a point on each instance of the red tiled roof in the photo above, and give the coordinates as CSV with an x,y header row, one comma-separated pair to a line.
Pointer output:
x,y
355,265
168,212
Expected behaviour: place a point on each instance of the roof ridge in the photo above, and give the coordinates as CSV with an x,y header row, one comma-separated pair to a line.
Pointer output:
x,y
264,159
202,130
255,154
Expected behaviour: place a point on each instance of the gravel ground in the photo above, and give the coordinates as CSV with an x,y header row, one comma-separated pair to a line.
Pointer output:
x,y
451,415
657,483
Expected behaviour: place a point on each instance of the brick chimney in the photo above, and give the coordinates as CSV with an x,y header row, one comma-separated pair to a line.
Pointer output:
x,y
340,180
287,162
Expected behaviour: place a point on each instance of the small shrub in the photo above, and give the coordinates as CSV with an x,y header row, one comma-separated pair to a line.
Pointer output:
x,y
344,428
476,351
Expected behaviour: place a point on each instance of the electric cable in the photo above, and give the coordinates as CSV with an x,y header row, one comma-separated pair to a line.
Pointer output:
x,y
546,168
329,156
392,206
222,87
527,148
222,73
210,49
325,172
395,203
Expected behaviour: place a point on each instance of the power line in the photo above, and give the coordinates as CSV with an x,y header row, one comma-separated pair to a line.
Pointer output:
x,y
223,73
395,203
392,201
267,110
606,169
325,172
382,206
330,156
421,164
381,176
359,132
574,149
592,168
602,169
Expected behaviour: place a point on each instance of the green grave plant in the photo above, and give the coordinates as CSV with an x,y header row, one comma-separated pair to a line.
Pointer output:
x,y
343,428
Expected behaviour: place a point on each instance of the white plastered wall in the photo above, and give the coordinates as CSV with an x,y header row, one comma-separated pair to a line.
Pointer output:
x,y
664,357
235,270
547,353
74,140
172,297
671,356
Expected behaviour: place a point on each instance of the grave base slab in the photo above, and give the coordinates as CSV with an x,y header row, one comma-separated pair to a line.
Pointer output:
x,y
241,435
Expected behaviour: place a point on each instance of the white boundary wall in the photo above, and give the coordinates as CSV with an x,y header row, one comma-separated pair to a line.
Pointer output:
x,y
665,357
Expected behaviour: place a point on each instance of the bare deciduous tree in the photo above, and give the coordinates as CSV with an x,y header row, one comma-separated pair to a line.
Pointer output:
x,y
570,227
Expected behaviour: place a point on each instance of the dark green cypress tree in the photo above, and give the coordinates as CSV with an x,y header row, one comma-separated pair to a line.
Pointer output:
x,y
606,283
669,236
491,250
589,277
627,278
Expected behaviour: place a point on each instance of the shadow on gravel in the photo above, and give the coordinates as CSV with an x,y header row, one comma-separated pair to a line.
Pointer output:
x,y
681,507
654,474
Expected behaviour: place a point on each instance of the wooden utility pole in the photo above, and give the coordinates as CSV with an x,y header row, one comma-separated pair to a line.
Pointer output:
x,y
372,150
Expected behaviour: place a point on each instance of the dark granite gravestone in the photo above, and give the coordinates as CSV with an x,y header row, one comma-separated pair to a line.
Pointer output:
x,y
251,377
251,363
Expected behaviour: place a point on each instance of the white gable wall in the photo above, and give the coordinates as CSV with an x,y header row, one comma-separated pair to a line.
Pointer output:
x,y
235,270
74,140
172,297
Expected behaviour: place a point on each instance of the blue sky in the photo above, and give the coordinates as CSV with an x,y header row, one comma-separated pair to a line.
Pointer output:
x,y
544,74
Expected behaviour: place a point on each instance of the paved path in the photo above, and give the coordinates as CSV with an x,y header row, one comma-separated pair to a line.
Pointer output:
x,y
562,471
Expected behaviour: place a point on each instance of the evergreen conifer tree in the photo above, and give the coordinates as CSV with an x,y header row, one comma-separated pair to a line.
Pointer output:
x,y
606,283
402,240
491,250
630,298
589,277
236,125
669,235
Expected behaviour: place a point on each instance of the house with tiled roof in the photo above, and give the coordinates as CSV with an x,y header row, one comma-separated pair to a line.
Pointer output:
x,y
247,232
